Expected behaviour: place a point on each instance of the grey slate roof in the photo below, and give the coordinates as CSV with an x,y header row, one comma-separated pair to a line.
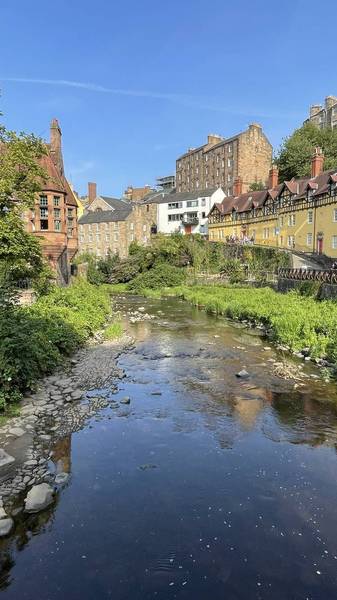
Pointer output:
x,y
106,216
115,203
161,198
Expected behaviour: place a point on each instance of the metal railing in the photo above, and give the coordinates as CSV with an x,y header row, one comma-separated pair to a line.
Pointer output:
x,y
324,276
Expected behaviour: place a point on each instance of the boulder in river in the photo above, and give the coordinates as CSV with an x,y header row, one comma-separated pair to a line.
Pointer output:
x,y
61,478
125,400
242,373
39,497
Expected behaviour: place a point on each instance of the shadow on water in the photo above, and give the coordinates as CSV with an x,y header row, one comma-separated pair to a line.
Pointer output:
x,y
205,485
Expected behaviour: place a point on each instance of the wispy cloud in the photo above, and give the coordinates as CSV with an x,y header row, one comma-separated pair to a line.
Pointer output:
x,y
182,99
82,168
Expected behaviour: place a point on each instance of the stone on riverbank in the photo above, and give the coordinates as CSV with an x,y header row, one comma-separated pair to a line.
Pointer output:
x,y
17,431
5,459
39,497
61,478
6,526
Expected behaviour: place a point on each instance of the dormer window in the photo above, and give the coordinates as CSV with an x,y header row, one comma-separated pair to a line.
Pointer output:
x,y
333,188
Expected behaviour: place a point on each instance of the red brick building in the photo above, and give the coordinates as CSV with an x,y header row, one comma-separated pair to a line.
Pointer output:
x,y
54,218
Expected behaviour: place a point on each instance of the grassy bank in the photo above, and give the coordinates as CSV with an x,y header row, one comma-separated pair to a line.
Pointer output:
x,y
295,321
34,340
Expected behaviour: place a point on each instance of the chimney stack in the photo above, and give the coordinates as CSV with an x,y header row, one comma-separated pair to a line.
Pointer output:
x,y
273,177
56,146
317,162
92,191
237,187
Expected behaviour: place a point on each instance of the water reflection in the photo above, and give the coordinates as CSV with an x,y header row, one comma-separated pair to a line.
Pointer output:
x,y
206,485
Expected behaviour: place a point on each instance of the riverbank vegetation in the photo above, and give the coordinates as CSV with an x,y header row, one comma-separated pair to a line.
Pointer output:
x,y
35,339
299,323
180,257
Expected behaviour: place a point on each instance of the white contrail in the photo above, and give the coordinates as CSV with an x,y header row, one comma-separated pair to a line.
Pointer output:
x,y
182,99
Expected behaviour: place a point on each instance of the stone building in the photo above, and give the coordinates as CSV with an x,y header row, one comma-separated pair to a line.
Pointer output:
x,y
110,225
54,217
136,194
324,116
300,214
220,161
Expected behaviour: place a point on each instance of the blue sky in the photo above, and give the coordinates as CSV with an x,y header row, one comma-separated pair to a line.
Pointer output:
x,y
135,83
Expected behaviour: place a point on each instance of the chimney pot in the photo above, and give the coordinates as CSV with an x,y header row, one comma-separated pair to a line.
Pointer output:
x,y
317,162
237,187
273,177
92,191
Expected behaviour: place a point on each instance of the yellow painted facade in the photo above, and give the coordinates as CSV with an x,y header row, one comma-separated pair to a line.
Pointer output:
x,y
303,218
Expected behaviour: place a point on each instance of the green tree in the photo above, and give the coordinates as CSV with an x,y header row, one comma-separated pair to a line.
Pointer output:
x,y
257,186
295,154
21,177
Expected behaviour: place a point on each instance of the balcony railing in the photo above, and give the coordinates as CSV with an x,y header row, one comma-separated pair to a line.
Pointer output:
x,y
190,220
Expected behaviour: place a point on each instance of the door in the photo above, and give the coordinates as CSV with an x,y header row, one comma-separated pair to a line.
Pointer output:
x,y
188,229
320,244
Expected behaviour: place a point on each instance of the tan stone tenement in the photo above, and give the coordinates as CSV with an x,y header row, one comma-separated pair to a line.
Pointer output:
x,y
219,162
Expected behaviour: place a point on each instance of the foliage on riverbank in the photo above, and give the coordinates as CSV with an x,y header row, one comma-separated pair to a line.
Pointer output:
x,y
292,320
191,255
34,340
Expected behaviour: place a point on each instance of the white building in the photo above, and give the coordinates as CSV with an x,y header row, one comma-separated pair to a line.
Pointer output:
x,y
184,212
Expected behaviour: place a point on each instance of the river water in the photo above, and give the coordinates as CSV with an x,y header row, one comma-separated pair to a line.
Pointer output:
x,y
204,486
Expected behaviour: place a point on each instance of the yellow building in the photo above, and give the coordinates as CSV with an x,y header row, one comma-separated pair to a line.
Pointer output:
x,y
300,214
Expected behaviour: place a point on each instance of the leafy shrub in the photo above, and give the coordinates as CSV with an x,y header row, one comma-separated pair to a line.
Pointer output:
x,y
162,275
309,289
33,340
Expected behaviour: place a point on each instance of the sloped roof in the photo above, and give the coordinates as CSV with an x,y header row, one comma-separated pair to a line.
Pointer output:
x,y
165,198
115,203
105,216
53,181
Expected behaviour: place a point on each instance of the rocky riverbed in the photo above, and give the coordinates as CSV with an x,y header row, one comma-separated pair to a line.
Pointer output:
x,y
62,404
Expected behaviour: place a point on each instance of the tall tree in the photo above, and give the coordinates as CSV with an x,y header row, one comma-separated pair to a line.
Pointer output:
x,y
21,177
294,156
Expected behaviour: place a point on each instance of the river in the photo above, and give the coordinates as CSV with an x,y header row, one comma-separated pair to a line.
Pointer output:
x,y
205,486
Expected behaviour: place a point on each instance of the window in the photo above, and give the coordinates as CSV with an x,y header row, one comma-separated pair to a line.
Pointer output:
x,y
203,201
197,183
131,226
57,225
229,148
90,227
132,237
98,237
174,205
335,215
229,178
334,242
90,237
192,203
43,201
175,217
281,240
56,200
81,238
266,233
206,157
206,184
229,162
57,213
310,216
291,241
222,163
43,213
203,215
97,226
291,220
44,224
281,221
217,158
309,239
116,237
116,225
107,236
217,172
